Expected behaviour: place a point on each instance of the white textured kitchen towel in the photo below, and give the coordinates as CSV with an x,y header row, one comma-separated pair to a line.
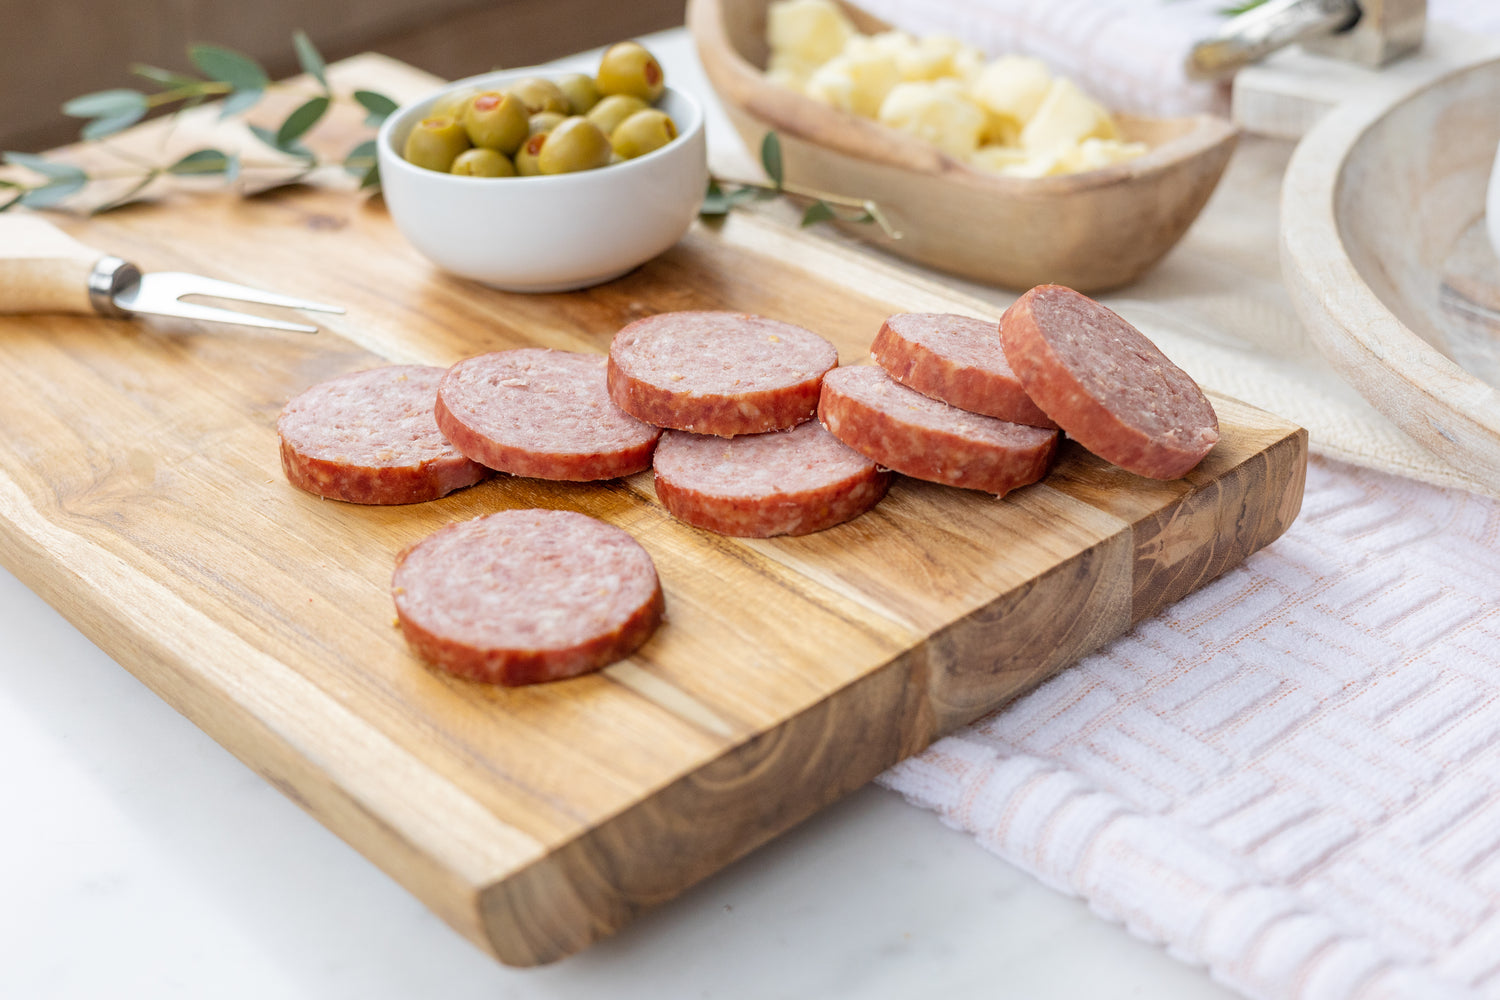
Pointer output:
x,y
1132,50
1291,776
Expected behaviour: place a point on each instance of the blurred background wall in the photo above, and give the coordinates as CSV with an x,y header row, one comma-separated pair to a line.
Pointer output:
x,y
57,49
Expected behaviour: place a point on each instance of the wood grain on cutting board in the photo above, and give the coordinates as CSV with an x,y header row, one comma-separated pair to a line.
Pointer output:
x,y
140,493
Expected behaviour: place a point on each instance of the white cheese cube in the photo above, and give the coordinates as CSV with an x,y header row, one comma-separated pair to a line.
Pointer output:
x,y
812,31
938,111
856,81
1065,118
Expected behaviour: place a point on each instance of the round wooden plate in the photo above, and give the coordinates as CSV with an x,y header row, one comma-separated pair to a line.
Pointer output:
x,y
1384,252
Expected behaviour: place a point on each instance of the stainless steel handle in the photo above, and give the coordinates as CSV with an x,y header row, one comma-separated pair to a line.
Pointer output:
x,y
1271,26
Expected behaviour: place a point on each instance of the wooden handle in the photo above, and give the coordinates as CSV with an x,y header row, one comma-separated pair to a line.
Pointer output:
x,y
42,268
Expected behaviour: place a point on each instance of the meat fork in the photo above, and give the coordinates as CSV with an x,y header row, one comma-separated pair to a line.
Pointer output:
x,y
44,270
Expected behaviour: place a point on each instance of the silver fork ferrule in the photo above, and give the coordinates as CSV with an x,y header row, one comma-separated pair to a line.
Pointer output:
x,y
110,276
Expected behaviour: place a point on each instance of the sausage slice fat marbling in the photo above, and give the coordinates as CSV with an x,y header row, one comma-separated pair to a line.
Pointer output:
x,y
927,439
1107,384
522,596
720,373
542,413
757,485
370,437
958,360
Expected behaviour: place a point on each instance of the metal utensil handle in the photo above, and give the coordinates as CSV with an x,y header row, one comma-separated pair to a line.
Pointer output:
x,y
1259,32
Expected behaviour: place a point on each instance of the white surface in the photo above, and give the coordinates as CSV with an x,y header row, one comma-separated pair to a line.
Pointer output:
x,y
140,860
546,234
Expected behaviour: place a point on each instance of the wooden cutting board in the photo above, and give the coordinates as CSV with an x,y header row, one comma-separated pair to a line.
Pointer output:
x,y
140,493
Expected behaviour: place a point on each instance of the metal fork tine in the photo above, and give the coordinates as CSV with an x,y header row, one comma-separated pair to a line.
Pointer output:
x,y
178,283
188,310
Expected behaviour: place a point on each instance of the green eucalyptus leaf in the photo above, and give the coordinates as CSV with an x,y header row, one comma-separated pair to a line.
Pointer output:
x,y
128,196
371,179
240,100
770,157
106,104
299,121
715,201
378,105
165,77
265,135
310,58
358,160
99,128
52,192
818,211
201,163
45,167
232,168
6,206
231,67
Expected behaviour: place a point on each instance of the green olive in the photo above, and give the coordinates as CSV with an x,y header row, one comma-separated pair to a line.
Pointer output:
x,y
627,68
576,144
529,154
496,121
544,121
435,143
482,162
451,105
580,90
540,95
614,109
642,132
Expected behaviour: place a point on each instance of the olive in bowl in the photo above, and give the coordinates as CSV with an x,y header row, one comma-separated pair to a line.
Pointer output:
x,y
545,232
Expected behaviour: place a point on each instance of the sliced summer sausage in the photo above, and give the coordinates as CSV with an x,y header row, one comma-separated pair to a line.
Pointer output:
x,y
956,359
522,596
718,373
927,439
1106,384
757,485
541,413
370,437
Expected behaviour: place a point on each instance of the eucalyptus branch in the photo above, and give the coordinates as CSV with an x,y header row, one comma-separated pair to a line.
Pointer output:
x,y
723,195
241,82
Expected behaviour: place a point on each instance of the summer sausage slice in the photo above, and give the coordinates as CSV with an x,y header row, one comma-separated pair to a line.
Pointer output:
x,y
541,413
522,596
956,359
925,438
718,373
1106,384
370,437
757,485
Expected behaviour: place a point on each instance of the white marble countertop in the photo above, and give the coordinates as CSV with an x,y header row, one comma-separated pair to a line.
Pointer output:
x,y
138,859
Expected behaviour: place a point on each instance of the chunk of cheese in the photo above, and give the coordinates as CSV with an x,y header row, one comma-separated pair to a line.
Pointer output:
x,y
856,80
1065,118
1011,89
938,111
811,32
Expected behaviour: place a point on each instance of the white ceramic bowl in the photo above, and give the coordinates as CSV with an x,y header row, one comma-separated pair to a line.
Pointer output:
x,y
552,233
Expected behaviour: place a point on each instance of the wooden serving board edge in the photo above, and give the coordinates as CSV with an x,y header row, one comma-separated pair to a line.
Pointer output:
x,y
592,886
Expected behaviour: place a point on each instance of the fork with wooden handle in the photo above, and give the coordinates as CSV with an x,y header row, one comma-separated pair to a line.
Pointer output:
x,y
44,270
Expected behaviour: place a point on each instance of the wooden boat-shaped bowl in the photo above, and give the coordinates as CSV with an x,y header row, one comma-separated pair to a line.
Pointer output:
x,y
1091,231
1384,254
